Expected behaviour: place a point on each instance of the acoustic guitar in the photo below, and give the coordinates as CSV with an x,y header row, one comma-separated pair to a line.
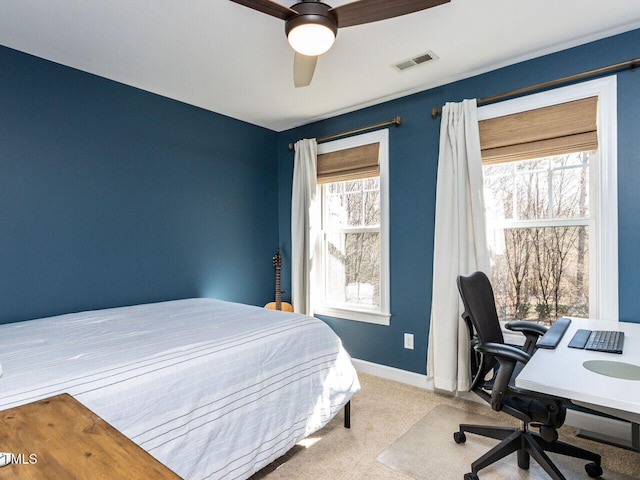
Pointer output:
x,y
278,304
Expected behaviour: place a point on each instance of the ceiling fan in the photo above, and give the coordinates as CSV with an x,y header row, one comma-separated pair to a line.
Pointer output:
x,y
311,26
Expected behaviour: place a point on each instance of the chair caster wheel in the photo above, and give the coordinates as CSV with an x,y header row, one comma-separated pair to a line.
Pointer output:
x,y
460,437
593,470
471,476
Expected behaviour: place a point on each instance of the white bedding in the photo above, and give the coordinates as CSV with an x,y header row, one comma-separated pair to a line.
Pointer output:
x,y
212,389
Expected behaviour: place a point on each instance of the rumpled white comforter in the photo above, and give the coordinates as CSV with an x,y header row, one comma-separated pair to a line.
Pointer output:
x,y
212,389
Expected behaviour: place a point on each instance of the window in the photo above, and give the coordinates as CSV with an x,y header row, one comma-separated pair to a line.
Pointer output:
x,y
352,278
540,221
551,208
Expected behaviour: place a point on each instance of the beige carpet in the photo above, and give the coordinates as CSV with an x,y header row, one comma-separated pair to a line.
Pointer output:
x,y
385,411
426,450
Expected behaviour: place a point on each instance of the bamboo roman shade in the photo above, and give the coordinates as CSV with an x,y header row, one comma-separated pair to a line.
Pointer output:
x,y
554,130
349,164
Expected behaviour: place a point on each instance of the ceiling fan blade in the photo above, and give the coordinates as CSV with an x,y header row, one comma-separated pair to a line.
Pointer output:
x,y
367,11
267,6
303,69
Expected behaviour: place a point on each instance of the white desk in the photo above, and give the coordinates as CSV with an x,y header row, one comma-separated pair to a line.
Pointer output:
x,y
561,372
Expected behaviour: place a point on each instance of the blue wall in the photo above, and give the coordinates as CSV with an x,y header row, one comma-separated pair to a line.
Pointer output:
x,y
413,166
110,196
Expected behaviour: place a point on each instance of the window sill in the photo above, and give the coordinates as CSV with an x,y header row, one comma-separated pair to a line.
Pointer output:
x,y
357,315
511,337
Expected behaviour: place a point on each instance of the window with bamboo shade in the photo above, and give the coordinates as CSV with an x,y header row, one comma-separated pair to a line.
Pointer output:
x,y
352,256
549,172
553,130
349,164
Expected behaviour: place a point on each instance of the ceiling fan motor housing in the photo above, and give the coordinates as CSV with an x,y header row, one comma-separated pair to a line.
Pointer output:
x,y
312,12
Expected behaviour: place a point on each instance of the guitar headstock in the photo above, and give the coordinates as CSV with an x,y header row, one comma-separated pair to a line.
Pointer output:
x,y
277,260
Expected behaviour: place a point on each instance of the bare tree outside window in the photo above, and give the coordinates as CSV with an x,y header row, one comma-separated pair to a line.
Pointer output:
x,y
352,242
538,216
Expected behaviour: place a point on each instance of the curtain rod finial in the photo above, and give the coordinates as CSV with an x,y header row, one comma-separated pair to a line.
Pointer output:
x,y
435,111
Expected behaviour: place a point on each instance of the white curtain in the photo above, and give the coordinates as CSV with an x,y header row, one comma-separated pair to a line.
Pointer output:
x,y
460,245
304,224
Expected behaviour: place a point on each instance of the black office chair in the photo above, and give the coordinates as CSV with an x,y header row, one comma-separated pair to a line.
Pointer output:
x,y
490,354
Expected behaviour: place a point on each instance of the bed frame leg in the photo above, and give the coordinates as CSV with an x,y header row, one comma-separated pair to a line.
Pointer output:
x,y
347,415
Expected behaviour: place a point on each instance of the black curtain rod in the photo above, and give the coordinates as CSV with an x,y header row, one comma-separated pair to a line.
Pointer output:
x,y
394,121
629,64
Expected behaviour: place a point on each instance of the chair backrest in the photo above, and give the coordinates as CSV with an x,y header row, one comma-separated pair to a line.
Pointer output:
x,y
480,308
480,311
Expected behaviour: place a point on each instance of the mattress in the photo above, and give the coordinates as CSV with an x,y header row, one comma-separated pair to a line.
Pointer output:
x,y
212,389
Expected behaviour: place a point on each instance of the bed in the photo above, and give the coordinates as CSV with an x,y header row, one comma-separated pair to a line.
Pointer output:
x,y
212,389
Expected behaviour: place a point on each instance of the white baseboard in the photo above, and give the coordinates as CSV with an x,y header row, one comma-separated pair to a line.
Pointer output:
x,y
609,430
403,376
594,423
391,373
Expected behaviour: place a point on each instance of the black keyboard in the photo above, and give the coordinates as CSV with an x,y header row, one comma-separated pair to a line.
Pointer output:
x,y
610,341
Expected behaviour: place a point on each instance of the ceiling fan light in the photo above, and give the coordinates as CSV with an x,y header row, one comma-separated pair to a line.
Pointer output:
x,y
313,30
311,39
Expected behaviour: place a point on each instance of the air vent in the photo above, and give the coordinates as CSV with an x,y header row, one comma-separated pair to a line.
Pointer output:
x,y
415,61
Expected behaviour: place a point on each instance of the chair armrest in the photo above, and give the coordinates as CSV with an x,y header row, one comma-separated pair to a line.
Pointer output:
x,y
526,327
504,352
507,356
532,332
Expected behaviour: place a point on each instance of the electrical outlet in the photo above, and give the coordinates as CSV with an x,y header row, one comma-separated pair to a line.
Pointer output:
x,y
408,341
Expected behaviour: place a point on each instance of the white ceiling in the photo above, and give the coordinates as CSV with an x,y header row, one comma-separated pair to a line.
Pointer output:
x,y
229,59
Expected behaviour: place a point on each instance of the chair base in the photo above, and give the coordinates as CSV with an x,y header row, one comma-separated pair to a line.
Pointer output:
x,y
527,444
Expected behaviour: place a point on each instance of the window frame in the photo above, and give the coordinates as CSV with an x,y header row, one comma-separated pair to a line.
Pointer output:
x,y
603,286
382,315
